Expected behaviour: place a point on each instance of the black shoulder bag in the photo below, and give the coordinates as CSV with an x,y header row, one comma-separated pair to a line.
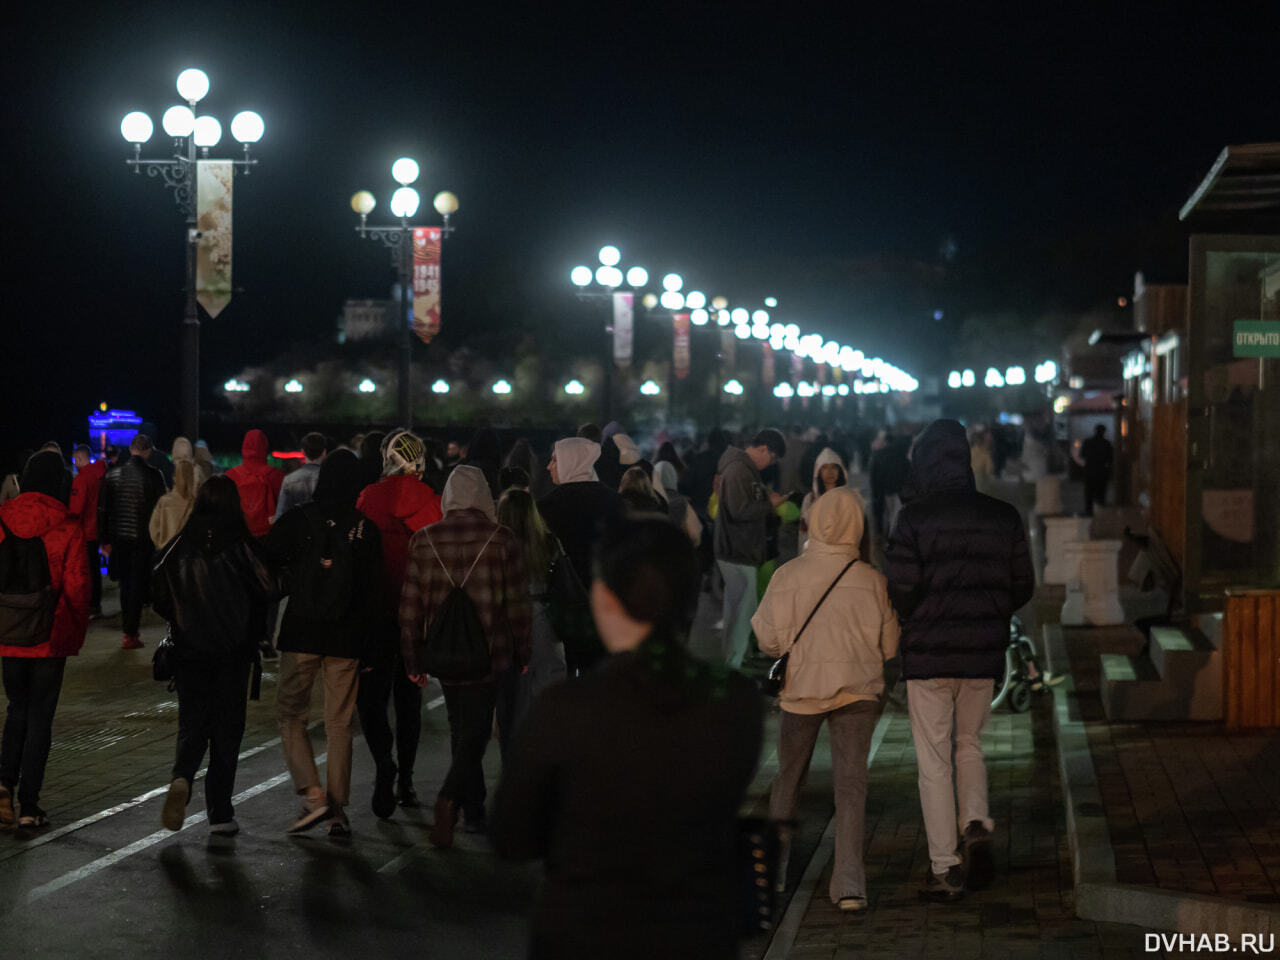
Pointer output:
x,y
778,672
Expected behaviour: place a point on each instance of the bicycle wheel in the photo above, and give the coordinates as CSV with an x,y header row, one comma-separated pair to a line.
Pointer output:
x,y
1020,697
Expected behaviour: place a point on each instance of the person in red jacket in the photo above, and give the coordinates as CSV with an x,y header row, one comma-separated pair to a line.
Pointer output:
x,y
400,505
33,672
259,486
84,506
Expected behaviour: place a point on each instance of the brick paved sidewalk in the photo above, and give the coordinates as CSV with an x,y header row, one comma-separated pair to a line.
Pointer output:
x,y
1027,912
1191,807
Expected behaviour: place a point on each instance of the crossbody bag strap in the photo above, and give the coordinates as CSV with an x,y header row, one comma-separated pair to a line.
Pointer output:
x,y
480,554
822,599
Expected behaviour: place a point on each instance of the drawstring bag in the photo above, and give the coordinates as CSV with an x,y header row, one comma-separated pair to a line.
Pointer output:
x,y
455,648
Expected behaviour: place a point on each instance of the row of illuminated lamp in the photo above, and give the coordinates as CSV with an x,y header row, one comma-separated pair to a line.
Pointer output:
x,y
181,121
649,388
747,324
1045,372
405,200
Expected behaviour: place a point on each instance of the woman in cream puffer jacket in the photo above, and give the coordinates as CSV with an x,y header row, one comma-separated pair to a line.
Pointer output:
x,y
835,672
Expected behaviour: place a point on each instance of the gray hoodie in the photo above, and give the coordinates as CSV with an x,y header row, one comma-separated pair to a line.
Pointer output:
x,y
743,515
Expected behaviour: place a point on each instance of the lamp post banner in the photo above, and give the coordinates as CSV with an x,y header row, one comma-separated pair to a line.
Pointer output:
x,y
213,221
426,282
623,319
728,348
766,371
680,347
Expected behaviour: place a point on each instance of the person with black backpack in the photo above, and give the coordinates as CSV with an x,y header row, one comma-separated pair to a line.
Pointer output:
x,y
44,614
332,558
465,619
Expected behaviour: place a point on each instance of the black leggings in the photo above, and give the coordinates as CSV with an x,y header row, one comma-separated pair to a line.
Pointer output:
x,y
32,685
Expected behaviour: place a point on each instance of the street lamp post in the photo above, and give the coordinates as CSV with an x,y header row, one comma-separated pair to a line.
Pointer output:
x,y
399,240
607,277
178,172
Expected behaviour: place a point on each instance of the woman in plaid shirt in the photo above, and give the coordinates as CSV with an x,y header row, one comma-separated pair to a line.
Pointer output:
x,y
469,538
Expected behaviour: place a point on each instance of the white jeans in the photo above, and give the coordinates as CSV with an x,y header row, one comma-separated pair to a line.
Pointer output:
x,y
740,601
946,711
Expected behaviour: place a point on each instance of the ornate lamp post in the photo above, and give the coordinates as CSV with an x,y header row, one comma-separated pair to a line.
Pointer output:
x,y
178,172
399,240
607,277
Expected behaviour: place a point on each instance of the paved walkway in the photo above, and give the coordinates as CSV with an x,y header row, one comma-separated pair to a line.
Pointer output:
x,y
1027,912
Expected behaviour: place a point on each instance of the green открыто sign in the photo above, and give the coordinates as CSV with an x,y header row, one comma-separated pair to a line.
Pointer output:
x,y
1256,338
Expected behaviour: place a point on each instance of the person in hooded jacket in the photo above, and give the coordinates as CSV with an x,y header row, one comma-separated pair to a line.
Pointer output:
x,y
205,467
33,671
835,673
639,495
627,782
400,505
958,568
84,507
522,455
172,510
470,549
259,485
678,508
319,640
211,584
829,472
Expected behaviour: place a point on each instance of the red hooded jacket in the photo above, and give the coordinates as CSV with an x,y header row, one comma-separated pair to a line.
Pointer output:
x,y
399,506
37,515
84,497
259,484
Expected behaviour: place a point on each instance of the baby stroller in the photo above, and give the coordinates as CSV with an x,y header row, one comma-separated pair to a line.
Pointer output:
x,y
1022,674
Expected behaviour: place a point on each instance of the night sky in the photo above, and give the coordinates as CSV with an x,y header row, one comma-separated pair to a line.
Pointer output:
x,y
820,154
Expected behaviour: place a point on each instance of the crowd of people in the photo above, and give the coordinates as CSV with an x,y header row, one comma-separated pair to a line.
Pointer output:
x,y
553,602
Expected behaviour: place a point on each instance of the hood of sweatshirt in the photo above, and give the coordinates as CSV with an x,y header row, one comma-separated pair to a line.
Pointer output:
x,y
825,457
939,461
254,448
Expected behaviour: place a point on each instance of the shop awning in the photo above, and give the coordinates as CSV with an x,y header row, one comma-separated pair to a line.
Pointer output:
x,y
1244,182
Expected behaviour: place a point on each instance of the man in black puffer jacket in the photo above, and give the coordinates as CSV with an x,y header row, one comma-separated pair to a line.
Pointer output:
x,y
958,568
125,500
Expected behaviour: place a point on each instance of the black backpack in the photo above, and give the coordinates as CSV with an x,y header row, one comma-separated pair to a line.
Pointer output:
x,y
569,610
27,597
455,648
322,578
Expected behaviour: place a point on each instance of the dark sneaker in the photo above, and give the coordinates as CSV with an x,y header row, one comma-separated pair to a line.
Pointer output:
x,y
944,887
174,810
406,796
267,651
313,811
7,815
339,826
979,864
852,904
441,834
131,642
228,828
33,820
384,791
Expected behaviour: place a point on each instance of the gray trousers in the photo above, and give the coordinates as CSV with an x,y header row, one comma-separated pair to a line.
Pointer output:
x,y
741,597
851,728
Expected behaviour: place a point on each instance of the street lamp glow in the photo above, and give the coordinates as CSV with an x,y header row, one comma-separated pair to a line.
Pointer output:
x,y
293,386
367,386
760,332
404,202
136,127
720,303
362,202
804,390
208,131
637,276
672,300
760,316
501,388
742,332
193,84
829,390
1046,372
404,171
695,300
581,276
698,317
178,121
722,318
235,386
650,389
440,387
770,302
993,378
843,389
609,276
247,127
672,282
445,203
968,379
740,316
784,391
792,331
610,255
650,301
574,388
733,388
1015,376
953,380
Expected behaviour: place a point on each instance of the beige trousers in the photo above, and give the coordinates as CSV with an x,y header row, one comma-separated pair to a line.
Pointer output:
x,y
298,672
946,713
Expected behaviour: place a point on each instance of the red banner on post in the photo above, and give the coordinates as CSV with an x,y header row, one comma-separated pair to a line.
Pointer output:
x,y
766,370
426,282
680,347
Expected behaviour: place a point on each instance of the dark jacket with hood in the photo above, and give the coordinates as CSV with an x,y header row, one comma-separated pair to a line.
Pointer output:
x,y
127,497
294,541
742,520
212,583
957,564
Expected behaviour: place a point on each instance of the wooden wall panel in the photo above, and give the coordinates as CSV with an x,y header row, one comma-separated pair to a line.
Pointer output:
x,y
1250,650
